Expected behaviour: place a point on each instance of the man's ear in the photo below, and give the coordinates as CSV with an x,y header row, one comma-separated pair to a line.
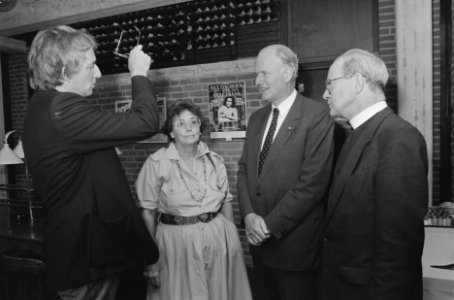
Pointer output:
x,y
359,82
63,77
288,73
64,82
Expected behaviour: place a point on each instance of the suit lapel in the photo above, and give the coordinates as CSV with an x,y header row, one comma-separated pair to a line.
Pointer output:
x,y
285,131
350,155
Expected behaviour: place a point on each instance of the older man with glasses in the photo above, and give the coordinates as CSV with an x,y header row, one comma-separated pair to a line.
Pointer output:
x,y
374,233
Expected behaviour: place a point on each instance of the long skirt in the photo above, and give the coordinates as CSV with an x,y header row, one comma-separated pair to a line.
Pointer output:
x,y
202,261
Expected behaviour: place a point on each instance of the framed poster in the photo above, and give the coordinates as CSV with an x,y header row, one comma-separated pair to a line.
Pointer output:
x,y
123,106
227,110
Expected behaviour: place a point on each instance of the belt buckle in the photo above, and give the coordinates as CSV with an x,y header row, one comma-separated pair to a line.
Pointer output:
x,y
179,220
204,217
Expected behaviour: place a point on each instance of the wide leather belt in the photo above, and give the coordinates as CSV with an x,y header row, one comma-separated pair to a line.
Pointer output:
x,y
180,220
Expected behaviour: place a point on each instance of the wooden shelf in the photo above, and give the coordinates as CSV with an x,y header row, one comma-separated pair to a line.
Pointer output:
x,y
186,33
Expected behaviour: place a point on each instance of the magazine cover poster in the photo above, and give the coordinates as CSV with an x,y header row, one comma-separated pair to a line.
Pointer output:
x,y
227,110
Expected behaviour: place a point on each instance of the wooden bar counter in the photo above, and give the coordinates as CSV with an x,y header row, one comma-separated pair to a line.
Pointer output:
x,y
26,236
23,235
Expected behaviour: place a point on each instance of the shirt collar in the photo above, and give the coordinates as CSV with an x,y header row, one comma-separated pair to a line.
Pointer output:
x,y
368,113
172,152
285,105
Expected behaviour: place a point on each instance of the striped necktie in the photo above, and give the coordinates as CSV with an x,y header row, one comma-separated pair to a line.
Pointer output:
x,y
268,139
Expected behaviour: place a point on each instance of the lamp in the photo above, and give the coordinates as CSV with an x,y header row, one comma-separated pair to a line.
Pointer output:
x,y
19,150
7,155
16,156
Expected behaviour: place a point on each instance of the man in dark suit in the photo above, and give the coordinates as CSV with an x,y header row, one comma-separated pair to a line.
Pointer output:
x,y
374,233
283,174
93,228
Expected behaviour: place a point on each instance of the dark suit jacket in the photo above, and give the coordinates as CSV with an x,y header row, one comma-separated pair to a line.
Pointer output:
x,y
94,228
374,232
289,193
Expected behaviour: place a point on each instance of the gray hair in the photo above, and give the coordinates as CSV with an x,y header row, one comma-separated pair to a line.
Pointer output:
x,y
367,64
287,57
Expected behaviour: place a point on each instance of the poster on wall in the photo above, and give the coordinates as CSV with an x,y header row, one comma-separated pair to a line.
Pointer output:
x,y
123,106
227,110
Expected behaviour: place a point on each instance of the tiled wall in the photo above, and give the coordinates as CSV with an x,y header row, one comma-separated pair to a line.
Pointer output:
x,y
173,85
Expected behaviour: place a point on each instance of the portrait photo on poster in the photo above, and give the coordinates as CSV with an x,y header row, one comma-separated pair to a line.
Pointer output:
x,y
227,110
123,106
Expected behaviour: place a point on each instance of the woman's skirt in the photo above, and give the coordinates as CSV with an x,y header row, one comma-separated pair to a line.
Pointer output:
x,y
202,261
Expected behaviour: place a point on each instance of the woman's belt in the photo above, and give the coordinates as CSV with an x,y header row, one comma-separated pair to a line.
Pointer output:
x,y
180,220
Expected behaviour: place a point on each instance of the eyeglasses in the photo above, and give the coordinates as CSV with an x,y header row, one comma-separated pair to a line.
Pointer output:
x,y
329,82
183,124
116,52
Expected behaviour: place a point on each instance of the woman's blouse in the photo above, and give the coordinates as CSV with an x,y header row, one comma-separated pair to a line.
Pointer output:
x,y
165,183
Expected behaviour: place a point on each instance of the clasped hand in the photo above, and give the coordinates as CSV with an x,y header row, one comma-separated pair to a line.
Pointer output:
x,y
256,230
151,274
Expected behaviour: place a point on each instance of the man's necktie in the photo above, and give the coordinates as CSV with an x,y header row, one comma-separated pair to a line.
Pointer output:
x,y
268,139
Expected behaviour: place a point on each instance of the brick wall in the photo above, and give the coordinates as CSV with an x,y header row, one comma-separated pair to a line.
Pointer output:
x,y
387,46
173,85
436,70
177,86
387,51
19,95
452,94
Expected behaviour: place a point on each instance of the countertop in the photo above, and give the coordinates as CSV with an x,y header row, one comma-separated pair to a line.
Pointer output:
x,y
21,235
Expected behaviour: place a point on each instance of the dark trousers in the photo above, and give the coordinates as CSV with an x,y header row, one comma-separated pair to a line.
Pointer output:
x,y
274,284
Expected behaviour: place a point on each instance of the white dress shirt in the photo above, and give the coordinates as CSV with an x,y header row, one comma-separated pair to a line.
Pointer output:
x,y
368,113
284,108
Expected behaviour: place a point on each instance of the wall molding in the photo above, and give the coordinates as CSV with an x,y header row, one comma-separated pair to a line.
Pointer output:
x,y
224,68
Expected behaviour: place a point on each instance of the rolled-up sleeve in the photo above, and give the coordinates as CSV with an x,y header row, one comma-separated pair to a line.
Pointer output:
x,y
147,185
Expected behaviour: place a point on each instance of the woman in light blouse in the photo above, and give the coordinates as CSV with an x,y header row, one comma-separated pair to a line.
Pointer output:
x,y
184,193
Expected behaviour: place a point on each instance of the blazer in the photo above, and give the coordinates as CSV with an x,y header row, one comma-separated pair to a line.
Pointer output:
x,y
374,232
93,227
289,192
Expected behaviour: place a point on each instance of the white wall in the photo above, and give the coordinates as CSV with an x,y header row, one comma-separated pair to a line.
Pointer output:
x,y
414,69
438,250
